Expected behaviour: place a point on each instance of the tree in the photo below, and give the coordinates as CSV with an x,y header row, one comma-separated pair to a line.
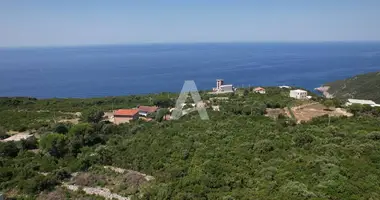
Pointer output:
x,y
83,134
152,115
75,144
8,149
80,129
303,139
337,102
161,113
355,108
92,116
258,108
38,184
247,110
105,155
29,143
366,108
164,103
61,128
328,103
55,144
376,111
3,133
246,92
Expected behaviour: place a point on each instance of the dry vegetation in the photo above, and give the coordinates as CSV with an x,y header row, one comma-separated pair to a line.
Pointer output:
x,y
275,112
63,194
307,112
120,182
310,111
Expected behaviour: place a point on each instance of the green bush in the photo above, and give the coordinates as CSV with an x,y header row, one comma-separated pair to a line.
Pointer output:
x,y
55,144
8,149
3,133
302,139
29,143
61,128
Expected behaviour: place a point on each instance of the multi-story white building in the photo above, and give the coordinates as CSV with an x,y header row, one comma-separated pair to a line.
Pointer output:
x,y
221,88
298,94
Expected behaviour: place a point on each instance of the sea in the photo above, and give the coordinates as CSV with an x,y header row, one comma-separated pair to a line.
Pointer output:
x,y
119,70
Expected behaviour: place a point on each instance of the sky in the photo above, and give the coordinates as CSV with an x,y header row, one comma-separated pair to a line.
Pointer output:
x,y
92,22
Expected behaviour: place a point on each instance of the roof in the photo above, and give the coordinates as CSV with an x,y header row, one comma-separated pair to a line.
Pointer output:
x,y
148,109
298,90
361,101
126,112
259,89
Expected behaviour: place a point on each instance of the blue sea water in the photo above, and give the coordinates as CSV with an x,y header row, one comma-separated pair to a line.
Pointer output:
x,y
138,69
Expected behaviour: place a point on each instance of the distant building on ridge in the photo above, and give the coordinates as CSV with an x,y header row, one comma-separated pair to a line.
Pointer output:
x,y
221,88
284,87
259,90
362,102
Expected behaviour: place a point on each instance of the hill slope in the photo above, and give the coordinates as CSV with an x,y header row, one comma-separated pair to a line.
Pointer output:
x,y
363,86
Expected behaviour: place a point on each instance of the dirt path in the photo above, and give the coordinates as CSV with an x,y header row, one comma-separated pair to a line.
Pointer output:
x,y
18,137
122,171
343,112
304,105
73,121
103,192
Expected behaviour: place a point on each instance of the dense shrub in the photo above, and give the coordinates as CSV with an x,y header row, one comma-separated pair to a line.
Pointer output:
x,y
55,144
29,143
3,133
8,149
237,154
92,116
374,136
302,139
61,128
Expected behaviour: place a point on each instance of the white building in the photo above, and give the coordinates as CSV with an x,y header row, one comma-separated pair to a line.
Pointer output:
x,y
362,102
226,88
285,86
221,88
298,94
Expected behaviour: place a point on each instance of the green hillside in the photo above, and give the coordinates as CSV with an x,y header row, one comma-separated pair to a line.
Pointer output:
x,y
237,154
364,86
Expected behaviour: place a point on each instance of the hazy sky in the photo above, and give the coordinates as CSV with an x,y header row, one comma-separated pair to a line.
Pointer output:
x,y
82,22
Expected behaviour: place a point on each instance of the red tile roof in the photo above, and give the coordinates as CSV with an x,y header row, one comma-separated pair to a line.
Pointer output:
x,y
259,89
148,109
126,112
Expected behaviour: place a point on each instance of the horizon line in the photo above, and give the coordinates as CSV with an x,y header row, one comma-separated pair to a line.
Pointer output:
x,y
186,43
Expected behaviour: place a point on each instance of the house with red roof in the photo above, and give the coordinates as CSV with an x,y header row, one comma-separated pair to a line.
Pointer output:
x,y
145,110
259,90
125,115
